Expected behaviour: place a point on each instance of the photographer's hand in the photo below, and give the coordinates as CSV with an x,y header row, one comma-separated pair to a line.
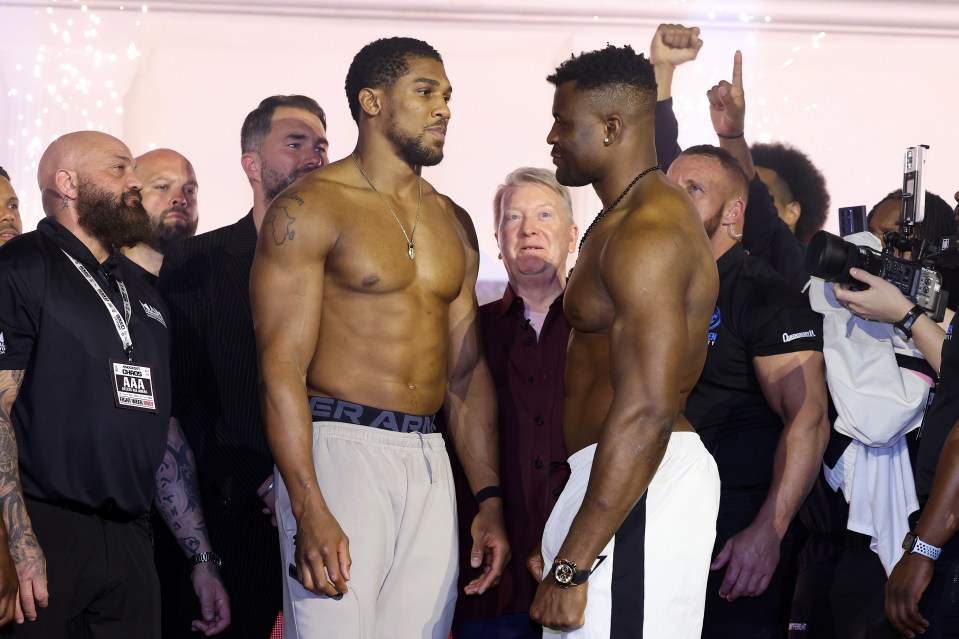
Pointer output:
x,y
883,302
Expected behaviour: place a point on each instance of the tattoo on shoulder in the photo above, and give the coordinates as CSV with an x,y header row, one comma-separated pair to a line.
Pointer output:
x,y
295,197
282,226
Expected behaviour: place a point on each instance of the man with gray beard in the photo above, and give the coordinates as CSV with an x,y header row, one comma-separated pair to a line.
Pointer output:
x,y
85,410
204,281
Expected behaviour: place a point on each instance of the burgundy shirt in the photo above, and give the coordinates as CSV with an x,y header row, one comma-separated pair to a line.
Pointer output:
x,y
528,374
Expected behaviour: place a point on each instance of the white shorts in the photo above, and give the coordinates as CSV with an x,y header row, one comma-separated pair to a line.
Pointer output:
x,y
392,494
652,584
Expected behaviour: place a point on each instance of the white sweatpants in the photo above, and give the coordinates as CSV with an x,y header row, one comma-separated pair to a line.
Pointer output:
x,y
652,584
392,494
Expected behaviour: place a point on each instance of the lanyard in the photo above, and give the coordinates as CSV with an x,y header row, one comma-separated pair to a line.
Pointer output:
x,y
119,321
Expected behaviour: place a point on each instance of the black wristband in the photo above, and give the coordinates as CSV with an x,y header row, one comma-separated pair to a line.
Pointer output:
x,y
731,137
489,492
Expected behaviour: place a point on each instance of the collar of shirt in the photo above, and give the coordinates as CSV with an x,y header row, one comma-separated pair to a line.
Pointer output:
x,y
70,243
513,302
730,260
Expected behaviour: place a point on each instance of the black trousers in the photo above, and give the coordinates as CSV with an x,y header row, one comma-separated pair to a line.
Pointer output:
x,y
100,577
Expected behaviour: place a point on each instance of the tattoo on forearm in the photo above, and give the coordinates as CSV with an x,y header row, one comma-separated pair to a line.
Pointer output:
x,y
178,496
282,226
23,543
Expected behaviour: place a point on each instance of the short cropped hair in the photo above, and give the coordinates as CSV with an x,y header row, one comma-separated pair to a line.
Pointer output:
x,y
530,175
258,123
4,174
609,70
938,222
381,63
727,160
801,182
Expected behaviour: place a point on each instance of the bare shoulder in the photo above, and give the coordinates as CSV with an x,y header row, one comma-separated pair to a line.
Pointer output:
x,y
310,209
459,217
665,230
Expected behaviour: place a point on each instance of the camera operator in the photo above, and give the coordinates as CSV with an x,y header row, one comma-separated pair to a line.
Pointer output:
x,y
923,586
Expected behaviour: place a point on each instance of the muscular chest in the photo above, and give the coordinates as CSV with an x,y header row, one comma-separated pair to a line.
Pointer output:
x,y
372,255
586,304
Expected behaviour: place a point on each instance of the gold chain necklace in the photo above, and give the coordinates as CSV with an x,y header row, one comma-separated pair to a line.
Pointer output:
x,y
409,237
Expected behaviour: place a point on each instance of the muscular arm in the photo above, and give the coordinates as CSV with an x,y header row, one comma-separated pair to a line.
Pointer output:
x,y
937,525
795,388
31,567
286,293
646,368
178,502
470,408
672,45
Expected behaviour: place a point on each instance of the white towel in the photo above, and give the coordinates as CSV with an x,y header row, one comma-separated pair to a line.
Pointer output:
x,y
878,403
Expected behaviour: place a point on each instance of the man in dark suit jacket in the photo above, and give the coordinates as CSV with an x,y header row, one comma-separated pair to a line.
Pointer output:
x,y
205,282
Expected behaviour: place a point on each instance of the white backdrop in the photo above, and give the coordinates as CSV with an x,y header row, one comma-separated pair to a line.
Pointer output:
x,y
852,83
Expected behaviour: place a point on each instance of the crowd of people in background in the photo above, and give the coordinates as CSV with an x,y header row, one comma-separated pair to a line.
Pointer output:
x,y
244,433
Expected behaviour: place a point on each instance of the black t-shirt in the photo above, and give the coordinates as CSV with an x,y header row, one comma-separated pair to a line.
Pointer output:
x,y
757,314
76,447
942,415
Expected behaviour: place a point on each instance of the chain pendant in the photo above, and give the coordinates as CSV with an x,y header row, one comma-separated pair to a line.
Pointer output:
x,y
411,252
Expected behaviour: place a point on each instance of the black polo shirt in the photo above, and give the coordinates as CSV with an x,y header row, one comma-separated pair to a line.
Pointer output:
x,y
757,314
76,447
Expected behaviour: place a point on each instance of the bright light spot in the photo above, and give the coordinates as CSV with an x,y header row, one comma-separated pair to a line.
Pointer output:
x,y
40,57
144,8
83,8
19,67
152,145
89,124
69,22
11,92
711,15
11,142
66,37
822,34
595,18
113,95
768,19
762,101
787,63
24,132
38,122
119,110
29,97
49,10
20,117
797,48
132,52
84,113
99,104
54,28
109,84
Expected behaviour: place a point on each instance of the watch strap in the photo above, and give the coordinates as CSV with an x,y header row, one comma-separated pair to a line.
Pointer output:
x,y
904,326
206,557
912,544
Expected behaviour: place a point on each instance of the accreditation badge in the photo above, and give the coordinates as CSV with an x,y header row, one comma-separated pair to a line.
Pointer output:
x,y
133,386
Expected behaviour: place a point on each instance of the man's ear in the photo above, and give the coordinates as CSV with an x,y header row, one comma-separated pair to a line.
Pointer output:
x,y
573,236
251,166
371,101
614,129
734,212
68,183
791,213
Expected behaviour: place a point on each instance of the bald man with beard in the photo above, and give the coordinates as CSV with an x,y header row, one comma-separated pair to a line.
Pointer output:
x,y
85,410
170,198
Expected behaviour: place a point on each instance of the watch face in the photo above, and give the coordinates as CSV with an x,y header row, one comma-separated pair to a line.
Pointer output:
x,y
909,542
563,573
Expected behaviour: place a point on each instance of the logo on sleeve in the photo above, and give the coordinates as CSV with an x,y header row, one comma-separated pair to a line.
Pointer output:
x,y
152,312
788,338
3,345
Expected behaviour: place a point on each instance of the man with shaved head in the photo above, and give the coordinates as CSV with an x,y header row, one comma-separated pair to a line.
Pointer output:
x,y
10,224
170,198
85,410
